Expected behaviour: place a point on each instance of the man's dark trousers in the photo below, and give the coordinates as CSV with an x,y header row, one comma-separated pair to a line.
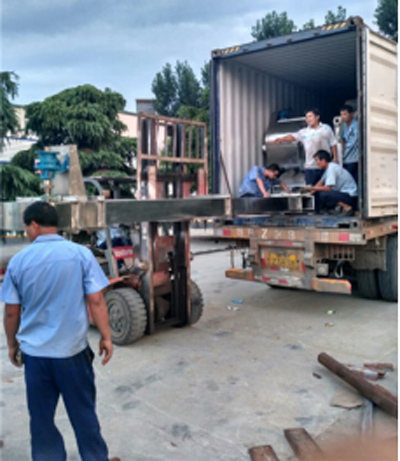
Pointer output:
x,y
312,176
352,168
73,379
329,199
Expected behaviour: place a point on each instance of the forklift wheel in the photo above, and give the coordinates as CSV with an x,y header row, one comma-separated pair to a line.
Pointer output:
x,y
127,313
197,304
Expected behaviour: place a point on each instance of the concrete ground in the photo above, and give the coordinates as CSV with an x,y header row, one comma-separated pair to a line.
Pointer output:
x,y
235,380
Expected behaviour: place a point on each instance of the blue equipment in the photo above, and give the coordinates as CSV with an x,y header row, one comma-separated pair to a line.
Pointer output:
x,y
47,164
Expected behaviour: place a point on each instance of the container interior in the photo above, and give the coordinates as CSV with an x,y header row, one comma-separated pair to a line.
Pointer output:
x,y
255,88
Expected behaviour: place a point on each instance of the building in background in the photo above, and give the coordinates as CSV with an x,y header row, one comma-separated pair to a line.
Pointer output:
x,y
15,142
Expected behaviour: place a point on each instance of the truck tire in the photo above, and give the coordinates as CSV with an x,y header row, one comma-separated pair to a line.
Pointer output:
x,y
127,313
387,279
367,281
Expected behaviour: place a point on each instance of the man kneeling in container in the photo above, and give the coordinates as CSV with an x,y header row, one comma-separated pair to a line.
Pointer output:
x,y
46,288
259,181
336,188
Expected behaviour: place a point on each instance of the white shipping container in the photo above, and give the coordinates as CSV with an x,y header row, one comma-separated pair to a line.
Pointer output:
x,y
324,68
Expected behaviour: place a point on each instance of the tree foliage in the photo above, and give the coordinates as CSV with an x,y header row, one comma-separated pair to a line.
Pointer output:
x,y
276,24
17,182
99,160
84,115
87,117
8,91
386,18
273,25
14,180
25,159
175,88
188,87
340,15
164,87
309,25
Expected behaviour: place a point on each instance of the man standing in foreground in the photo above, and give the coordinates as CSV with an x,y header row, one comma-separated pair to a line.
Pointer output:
x,y
316,136
46,288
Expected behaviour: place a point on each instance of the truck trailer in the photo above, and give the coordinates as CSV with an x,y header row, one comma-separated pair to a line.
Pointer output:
x,y
264,86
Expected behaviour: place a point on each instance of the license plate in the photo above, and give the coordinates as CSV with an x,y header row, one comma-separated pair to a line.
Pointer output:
x,y
286,262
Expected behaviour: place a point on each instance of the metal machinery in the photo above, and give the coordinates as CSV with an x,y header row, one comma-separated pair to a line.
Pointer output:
x,y
290,156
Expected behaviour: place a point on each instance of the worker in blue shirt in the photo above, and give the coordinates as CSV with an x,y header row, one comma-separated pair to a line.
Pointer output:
x,y
351,152
46,288
336,189
259,181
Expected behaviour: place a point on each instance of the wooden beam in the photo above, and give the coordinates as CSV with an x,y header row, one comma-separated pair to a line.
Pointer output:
x,y
302,444
263,453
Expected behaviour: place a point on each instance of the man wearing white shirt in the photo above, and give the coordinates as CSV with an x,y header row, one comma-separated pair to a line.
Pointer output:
x,y
316,136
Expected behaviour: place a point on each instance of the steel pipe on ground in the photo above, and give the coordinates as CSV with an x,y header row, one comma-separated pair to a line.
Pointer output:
x,y
381,397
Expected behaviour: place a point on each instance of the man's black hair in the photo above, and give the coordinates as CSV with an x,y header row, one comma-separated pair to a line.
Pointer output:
x,y
347,107
314,110
274,167
323,155
42,213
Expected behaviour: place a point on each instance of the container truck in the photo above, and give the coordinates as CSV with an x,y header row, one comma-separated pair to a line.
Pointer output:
x,y
264,87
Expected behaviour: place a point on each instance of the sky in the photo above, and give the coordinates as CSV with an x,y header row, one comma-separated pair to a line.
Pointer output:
x,y
122,44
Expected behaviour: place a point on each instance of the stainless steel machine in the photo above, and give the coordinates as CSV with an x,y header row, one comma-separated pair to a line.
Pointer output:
x,y
289,156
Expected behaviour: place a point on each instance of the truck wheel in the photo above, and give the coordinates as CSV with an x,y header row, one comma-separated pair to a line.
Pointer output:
x,y
367,282
197,303
127,313
388,279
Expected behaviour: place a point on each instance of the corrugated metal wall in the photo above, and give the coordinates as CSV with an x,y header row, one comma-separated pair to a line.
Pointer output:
x,y
248,98
381,156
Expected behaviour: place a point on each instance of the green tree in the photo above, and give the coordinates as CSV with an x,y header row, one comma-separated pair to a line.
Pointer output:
x,y
25,159
87,117
165,89
8,91
340,15
273,25
17,182
188,87
309,25
178,93
84,115
14,180
386,18
200,111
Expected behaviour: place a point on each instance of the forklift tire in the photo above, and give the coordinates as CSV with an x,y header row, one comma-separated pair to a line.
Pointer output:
x,y
367,282
197,303
127,313
387,280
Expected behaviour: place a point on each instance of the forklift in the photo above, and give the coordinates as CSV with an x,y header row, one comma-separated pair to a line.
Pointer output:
x,y
150,284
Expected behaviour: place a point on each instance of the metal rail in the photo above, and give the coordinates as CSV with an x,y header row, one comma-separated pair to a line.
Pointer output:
x,y
77,214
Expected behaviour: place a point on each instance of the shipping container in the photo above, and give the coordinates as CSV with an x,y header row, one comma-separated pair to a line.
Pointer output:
x,y
322,68
254,87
